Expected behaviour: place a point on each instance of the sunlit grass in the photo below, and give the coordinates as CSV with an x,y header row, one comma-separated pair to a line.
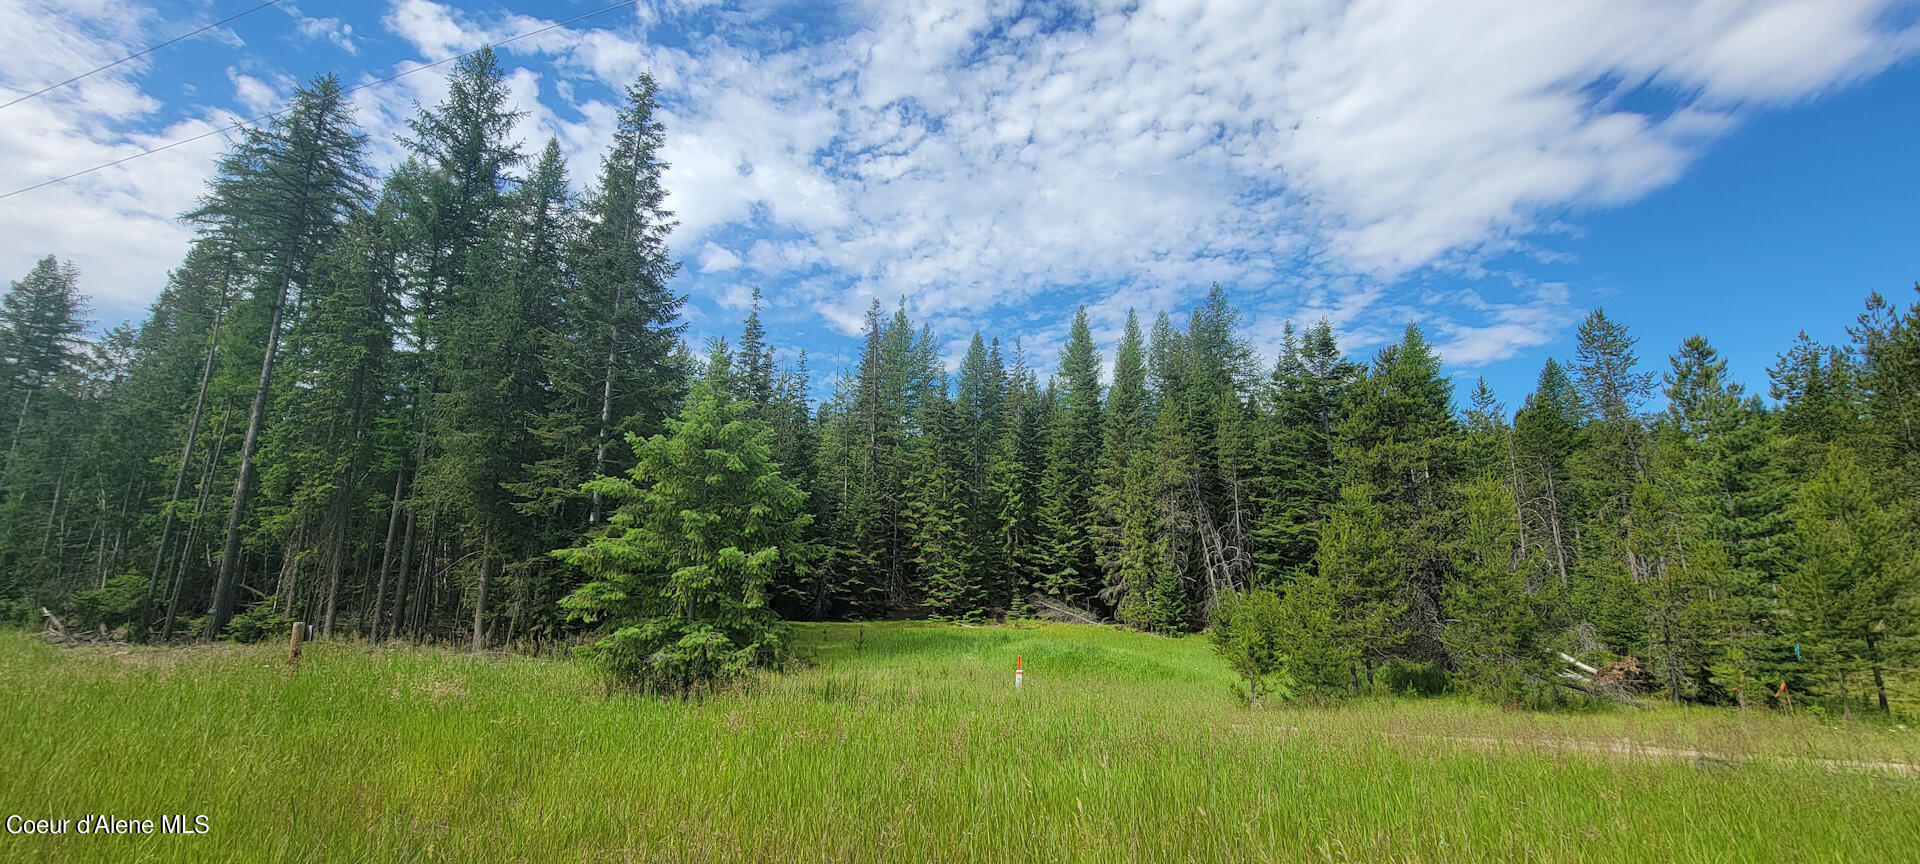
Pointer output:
x,y
899,742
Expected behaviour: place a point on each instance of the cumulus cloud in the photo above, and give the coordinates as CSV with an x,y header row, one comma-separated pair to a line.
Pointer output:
x,y
333,30
1321,158
256,96
975,156
715,258
119,224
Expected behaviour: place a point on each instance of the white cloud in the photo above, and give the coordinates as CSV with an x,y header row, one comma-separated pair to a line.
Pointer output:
x,y
715,258
118,224
333,30
1316,157
255,95
432,28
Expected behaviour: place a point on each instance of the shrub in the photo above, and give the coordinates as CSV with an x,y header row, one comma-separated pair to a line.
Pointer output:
x,y
1320,660
112,605
1410,678
1248,630
259,623
19,613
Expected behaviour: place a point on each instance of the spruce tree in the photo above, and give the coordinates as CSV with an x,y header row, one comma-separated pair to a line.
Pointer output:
x,y
612,361
281,194
936,513
1304,395
1498,616
1400,443
679,576
1067,563
1850,586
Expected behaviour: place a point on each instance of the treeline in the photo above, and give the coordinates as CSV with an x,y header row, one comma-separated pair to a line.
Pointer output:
x,y
382,410
349,405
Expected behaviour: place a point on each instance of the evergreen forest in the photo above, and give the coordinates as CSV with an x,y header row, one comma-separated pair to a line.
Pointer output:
x,y
455,403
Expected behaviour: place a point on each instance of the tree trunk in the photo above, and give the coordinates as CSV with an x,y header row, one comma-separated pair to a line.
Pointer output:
x,y
193,529
1553,521
1879,681
386,554
400,588
339,543
186,459
606,404
13,443
480,598
227,577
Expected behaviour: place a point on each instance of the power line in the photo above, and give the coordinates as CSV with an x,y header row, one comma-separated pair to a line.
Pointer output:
x,y
350,91
140,53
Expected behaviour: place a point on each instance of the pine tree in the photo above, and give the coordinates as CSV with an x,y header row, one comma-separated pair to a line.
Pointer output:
x,y
612,361
328,404
796,442
1851,584
1819,402
871,558
1309,383
679,575
1887,340
1606,471
492,382
1357,560
755,381
41,363
1399,442
936,514
1122,503
1319,656
1720,460
1486,429
981,390
1546,435
281,194
1156,540
1013,473
40,340
835,585
1067,562
1498,617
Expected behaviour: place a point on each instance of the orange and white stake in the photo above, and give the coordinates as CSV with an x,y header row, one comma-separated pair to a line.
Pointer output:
x,y
1018,673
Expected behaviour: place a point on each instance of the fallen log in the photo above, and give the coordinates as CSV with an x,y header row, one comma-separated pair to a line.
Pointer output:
x,y
1581,666
1601,692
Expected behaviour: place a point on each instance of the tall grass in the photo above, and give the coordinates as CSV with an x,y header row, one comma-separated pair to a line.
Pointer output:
x,y
899,742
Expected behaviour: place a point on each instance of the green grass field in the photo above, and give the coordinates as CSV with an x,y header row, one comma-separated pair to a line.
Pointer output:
x,y
899,742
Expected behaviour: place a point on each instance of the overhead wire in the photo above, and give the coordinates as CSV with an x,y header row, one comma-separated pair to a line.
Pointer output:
x,y
141,53
350,91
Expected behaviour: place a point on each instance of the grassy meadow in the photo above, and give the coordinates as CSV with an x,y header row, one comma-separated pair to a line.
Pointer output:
x,y
900,742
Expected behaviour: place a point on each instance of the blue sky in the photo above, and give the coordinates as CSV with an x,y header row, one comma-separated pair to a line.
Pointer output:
x,y
1489,168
